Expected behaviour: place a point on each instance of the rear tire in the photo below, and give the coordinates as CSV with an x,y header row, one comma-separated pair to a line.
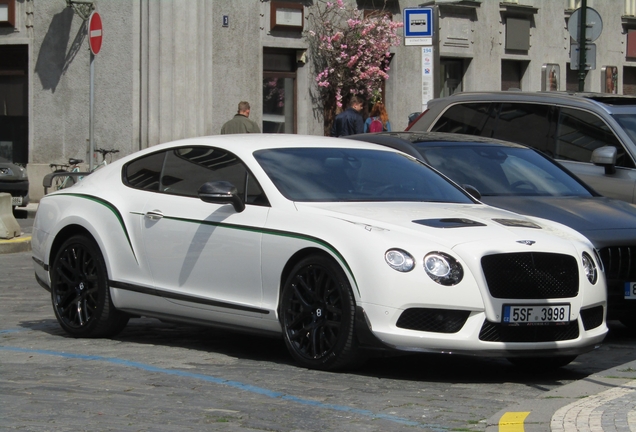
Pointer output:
x,y
80,293
317,315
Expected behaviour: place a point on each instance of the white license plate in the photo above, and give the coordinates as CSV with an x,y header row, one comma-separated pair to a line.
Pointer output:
x,y
536,314
630,290
16,201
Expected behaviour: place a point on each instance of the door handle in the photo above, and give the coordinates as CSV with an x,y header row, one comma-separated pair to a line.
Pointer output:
x,y
154,214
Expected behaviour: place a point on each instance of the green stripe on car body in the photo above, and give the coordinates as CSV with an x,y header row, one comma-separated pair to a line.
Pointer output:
x,y
266,231
274,232
113,209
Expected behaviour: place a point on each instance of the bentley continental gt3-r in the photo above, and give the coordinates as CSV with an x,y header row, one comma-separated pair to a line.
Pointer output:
x,y
339,247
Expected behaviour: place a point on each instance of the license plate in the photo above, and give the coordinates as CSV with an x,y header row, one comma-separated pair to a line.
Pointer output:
x,y
630,290
536,314
16,201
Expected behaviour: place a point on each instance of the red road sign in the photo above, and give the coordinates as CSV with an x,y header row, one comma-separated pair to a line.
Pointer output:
x,y
95,32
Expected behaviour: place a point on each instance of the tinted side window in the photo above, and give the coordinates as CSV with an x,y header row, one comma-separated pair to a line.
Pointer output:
x,y
579,133
469,119
527,124
182,171
143,173
187,168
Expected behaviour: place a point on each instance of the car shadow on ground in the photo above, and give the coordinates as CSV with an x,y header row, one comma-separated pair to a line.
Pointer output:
x,y
619,348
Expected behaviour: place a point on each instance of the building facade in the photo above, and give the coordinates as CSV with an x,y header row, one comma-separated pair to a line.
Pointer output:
x,y
174,69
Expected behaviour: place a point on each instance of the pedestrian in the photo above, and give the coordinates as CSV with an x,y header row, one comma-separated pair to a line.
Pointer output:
x,y
350,121
378,120
241,122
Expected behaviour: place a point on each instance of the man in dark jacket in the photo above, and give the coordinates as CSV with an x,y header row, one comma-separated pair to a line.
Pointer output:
x,y
241,122
350,121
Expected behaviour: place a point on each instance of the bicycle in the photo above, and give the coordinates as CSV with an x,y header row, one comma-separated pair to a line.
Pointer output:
x,y
59,180
104,152
64,181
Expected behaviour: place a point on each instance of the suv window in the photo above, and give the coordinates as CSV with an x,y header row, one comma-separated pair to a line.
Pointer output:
x,y
470,119
524,123
579,133
184,170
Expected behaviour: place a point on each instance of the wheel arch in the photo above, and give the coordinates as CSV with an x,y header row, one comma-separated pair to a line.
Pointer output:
x,y
64,234
302,254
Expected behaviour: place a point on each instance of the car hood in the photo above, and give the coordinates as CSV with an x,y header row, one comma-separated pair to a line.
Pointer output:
x,y
605,221
448,224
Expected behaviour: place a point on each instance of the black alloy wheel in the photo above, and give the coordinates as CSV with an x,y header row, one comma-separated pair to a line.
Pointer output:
x,y
317,315
80,293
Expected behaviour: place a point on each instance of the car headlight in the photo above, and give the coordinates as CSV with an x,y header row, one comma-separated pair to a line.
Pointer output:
x,y
399,260
443,268
590,268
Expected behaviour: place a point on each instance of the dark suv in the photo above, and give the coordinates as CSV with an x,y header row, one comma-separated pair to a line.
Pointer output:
x,y
593,135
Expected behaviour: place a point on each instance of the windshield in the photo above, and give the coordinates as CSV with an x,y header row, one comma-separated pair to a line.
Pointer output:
x,y
336,174
628,123
498,171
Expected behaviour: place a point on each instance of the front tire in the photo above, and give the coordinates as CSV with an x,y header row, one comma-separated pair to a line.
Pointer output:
x,y
317,315
80,293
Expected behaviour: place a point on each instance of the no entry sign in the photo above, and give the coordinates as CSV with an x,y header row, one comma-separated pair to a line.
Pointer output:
x,y
95,32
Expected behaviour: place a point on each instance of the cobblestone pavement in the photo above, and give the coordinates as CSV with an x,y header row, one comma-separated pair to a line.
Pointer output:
x,y
158,376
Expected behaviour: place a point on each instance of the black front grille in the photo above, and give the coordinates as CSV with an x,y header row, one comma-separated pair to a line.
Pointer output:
x,y
433,320
496,332
531,275
592,317
619,262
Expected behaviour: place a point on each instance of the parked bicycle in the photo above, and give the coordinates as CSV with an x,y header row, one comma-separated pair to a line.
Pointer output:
x,y
66,175
64,181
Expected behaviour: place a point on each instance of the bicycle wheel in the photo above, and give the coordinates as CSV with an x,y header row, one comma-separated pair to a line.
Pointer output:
x,y
58,181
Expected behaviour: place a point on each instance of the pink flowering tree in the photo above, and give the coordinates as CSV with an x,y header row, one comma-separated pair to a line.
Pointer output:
x,y
349,53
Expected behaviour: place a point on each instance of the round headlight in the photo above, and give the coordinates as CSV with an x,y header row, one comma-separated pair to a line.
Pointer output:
x,y
443,268
399,260
590,268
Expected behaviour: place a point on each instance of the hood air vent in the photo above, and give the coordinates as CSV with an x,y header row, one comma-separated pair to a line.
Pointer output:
x,y
449,223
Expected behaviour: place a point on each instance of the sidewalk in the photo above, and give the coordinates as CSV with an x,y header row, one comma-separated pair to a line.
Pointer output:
x,y
24,217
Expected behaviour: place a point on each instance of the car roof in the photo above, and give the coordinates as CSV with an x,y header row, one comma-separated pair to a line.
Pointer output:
x,y
244,145
392,139
606,101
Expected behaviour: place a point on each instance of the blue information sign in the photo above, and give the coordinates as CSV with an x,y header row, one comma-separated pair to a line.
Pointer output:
x,y
418,22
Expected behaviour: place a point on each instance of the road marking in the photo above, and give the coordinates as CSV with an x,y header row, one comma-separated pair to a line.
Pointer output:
x,y
234,384
512,421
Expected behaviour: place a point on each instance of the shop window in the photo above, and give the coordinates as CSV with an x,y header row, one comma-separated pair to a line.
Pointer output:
x,y
279,91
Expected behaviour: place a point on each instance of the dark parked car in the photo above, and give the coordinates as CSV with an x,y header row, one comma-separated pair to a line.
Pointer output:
x,y
591,134
520,179
14,180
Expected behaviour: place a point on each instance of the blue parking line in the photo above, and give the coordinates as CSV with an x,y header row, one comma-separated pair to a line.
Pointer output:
x,y
235,384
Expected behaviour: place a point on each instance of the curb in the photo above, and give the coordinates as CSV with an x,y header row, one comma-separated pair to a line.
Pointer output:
x,y
16,244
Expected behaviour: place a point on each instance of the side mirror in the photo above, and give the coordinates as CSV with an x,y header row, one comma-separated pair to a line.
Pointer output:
x,y
221,192
605,156
472,191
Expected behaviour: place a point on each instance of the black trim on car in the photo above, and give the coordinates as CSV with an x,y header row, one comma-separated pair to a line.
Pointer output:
x,y
183,297
41,263
42,283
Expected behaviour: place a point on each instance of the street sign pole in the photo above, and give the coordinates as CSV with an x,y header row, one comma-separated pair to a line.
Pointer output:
x,y
95,35
582,45
91,122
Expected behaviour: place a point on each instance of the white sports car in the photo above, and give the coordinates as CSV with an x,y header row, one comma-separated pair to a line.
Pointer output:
x,y
340,247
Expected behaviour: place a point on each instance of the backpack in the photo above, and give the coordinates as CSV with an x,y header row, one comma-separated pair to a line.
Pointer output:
x,y
376,126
